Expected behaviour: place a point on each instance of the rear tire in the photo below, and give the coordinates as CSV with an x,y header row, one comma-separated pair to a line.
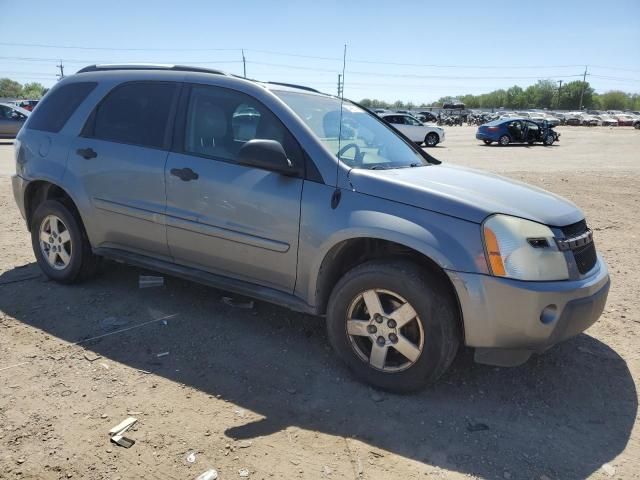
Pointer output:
x,y
429,338
60,243
504,140
432,139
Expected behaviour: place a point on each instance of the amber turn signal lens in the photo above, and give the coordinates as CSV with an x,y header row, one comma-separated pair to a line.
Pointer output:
x,y
493,253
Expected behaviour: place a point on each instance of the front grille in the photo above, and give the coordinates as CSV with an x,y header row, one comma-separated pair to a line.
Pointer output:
x,y
585,256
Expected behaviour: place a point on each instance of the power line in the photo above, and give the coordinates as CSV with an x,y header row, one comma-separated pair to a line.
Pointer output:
x,y
71,47
317,57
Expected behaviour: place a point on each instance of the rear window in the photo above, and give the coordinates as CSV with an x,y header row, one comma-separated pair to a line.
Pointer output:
x,y
57,106
134,113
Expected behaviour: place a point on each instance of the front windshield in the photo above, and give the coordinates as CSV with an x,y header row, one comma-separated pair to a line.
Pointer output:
x,y
365,141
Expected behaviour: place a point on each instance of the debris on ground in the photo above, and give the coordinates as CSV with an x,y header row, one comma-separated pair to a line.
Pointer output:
x,y
148,281
117,433
248,305
113,322
162,354
211,474
243,472
191,457
91,356
610,470
476,426
376,396
245,444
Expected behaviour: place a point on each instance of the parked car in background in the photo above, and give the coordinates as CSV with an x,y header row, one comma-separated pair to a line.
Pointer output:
x,y
428,117
415,130
606,120
11,120
28,104
636,124
516,130
625,120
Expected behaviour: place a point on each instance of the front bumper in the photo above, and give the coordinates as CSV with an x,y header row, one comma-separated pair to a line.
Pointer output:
x,y
483,136
500,313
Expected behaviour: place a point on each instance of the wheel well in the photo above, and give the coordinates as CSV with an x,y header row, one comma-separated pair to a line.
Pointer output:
x,y
39,191
350,253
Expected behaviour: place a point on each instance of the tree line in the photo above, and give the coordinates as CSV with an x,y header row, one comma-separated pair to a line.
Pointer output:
x,y
543,94
12,89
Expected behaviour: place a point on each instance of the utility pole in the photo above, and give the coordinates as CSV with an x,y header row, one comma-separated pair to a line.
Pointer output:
x,y
244,64
340,85
559,90
61,74
584,81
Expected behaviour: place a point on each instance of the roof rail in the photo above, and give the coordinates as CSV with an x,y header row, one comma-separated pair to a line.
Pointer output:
x,y
301,87
147,66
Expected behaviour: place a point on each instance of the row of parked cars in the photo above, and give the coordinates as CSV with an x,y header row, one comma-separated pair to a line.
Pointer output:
x,y
591,118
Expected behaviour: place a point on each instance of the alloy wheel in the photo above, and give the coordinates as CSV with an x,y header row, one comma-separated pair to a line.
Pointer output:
x,y
384,330
55,242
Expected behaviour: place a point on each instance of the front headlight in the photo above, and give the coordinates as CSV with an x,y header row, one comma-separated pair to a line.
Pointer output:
x,y
522,249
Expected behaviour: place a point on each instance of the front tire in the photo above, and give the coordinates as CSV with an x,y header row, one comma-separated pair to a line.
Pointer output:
x,y
549,139
60,244
432,139
393,324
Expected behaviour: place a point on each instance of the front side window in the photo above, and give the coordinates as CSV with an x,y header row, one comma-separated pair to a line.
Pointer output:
x,y
220,121
411,121
134,113
362,140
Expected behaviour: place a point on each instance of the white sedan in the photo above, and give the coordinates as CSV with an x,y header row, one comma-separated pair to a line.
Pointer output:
x,y
416,131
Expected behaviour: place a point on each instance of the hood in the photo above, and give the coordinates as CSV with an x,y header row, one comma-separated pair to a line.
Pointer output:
x,y
465,193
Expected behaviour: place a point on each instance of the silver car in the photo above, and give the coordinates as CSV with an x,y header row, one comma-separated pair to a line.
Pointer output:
x,y
298,198
11,120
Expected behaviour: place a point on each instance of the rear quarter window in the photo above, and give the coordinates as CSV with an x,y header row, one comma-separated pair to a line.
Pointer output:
x,y
57,107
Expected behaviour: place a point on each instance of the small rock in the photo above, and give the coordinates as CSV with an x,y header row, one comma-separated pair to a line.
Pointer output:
x,y
245,444
376,396
476,427
104,415
243,472
20,461
609,469
291,390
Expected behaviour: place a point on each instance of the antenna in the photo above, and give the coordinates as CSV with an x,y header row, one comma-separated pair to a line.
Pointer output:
x,y
244,64
344,62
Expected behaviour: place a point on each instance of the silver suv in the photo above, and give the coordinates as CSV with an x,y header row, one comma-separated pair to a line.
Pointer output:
x,y
295,197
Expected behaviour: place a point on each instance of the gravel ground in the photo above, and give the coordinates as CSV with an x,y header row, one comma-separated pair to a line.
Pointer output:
x,y
260,390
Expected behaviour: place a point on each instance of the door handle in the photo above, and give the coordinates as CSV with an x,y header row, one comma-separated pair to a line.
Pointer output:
x,y
87,153
184,174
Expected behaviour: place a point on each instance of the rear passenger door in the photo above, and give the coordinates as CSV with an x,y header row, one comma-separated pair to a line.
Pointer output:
x,y
230,219
119,160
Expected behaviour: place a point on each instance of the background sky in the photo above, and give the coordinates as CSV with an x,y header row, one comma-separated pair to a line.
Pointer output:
x,y
396,50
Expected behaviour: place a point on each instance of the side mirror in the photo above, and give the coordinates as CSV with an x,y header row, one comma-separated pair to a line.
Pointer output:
x,y
267,155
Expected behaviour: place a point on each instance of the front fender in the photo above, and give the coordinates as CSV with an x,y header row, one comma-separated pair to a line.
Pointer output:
x,y
450,242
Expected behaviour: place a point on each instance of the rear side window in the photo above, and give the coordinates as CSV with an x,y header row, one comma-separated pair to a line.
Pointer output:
x,y
57,106
134,113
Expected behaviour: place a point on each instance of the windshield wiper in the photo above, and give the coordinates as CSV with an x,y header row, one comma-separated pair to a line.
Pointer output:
x,y
379,167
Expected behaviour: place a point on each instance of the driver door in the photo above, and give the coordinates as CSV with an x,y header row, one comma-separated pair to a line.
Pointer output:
x,y
230,219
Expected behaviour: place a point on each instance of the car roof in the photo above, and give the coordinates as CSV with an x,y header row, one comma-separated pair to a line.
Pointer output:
x,y
16,108
172,69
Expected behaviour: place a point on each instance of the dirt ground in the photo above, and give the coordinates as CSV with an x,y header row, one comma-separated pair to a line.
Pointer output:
x,y
259,389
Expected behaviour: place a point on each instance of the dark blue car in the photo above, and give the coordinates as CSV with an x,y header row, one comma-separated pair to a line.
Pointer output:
x,y
516,130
